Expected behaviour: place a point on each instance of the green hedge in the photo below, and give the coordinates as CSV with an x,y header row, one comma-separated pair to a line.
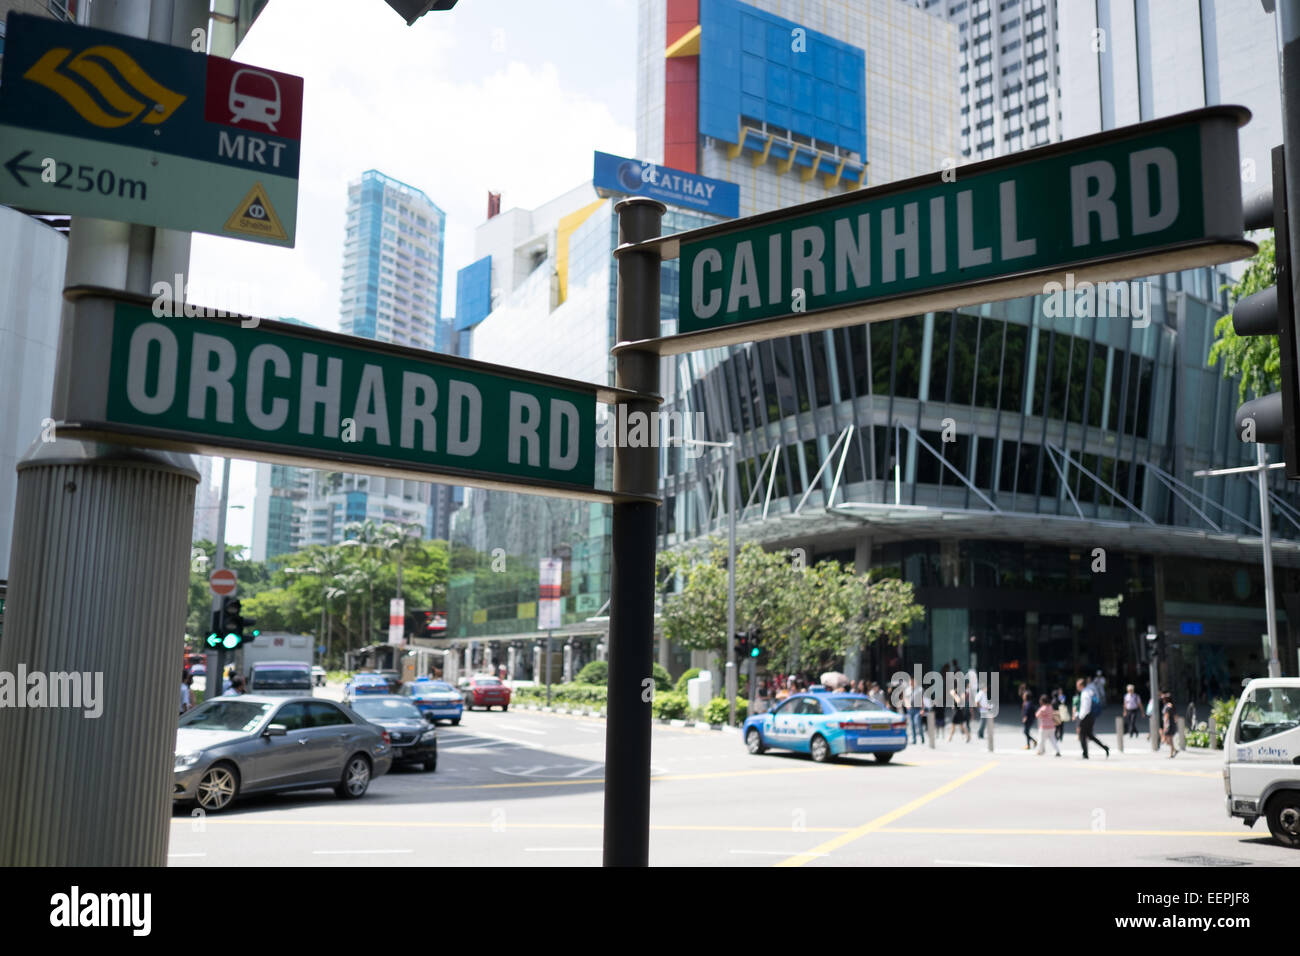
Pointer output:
x,y
718,710
565,695
597,672
669,705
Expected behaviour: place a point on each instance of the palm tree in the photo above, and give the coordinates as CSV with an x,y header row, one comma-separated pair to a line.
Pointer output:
x,y
397,539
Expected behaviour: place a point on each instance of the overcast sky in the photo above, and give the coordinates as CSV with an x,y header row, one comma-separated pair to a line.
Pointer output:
x,y
511,96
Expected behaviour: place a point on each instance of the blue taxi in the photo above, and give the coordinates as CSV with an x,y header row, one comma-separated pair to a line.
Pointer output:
x,y
825,725
436,698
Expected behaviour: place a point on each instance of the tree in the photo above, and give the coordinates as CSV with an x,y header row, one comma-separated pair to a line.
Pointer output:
x,y
1254,357
810,618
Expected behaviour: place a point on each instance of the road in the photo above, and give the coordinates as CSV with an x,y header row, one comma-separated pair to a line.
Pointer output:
x,y
523,788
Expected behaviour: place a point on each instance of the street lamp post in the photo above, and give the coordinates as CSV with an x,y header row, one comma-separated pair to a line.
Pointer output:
x,y
1265,527
730,682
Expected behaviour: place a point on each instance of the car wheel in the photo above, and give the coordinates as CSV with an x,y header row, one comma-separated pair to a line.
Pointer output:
x,y
356,778
820,749
218,787
884,757
431,765
504,708
1284,817
754,741
455,721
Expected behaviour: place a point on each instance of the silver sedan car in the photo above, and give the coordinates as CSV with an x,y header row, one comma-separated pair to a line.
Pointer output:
x,y
242,744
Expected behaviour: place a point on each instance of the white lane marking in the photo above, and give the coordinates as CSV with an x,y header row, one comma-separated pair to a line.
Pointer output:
x,y
173,856
521,728
590,730
341,852
973,863
774,853
563,849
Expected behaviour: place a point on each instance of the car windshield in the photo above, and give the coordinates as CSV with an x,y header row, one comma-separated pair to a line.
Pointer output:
x,y
280,678
484,681
434,687
1269,711
369,679
386,709
852,703
225,715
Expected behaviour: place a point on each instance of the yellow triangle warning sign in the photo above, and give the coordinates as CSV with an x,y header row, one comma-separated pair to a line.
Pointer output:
x,y
256,217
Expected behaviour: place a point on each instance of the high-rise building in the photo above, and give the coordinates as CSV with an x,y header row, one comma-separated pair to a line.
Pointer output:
x,y
391,292
1031,473
392,263
279,510
1008,75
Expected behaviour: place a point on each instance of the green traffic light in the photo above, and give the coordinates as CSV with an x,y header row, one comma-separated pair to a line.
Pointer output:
x,y
753,652
231,641
213,640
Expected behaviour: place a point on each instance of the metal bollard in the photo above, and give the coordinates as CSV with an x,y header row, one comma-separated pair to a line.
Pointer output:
x,y
1180,735
1214,735
929,724
1119,734
990,723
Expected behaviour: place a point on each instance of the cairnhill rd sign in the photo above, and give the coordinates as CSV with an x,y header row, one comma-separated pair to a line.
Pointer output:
x,y
1143,199
285,393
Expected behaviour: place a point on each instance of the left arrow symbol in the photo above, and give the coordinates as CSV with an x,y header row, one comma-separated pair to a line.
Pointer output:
x,y
15,164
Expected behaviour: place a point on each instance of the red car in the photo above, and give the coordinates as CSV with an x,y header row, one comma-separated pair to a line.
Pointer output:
x,y
483,690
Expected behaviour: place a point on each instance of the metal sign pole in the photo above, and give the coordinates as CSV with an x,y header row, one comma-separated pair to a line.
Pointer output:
x,y
122,518
632,575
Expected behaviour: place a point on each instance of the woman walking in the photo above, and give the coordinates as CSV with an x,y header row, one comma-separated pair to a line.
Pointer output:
x,y
1027,716
1168,722
960,712
1048,721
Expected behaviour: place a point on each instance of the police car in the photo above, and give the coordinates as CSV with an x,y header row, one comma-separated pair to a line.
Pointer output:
x,y
826,725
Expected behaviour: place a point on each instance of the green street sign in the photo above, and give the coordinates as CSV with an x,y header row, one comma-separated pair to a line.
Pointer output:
x,y
283,393
99,124
1145,199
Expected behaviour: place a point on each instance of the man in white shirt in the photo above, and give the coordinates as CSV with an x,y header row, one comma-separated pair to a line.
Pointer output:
x,y
984,706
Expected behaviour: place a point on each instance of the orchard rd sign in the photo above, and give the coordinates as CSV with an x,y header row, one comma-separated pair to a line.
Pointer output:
x,y
1144,199
278,392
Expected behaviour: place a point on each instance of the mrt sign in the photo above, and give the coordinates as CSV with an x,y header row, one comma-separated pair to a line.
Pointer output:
x,y
1144,199
99,124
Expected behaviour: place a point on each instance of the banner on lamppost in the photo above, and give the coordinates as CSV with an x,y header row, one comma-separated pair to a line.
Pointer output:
x,y
550,605
396,621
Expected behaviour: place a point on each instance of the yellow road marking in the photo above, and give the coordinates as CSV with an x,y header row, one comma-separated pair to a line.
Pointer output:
x,y
993,831
881,821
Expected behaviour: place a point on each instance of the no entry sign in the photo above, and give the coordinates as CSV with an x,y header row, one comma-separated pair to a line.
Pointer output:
x,y
223,582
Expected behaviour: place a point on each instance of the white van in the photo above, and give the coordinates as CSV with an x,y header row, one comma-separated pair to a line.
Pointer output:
x,y
1261,770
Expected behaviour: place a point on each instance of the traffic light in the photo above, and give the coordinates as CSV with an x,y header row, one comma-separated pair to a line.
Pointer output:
x,y
412,10
1153,646
742,643
1272,419
229,628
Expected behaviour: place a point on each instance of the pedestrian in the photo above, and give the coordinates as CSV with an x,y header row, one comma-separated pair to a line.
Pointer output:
x,y
1047,720
187,697
1027,711
1132,710
1168,722
1063,711
236,686
1088,708
960,711
915,708
984,707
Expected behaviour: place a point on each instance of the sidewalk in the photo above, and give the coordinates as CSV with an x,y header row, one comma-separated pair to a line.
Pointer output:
x,y
1009,737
